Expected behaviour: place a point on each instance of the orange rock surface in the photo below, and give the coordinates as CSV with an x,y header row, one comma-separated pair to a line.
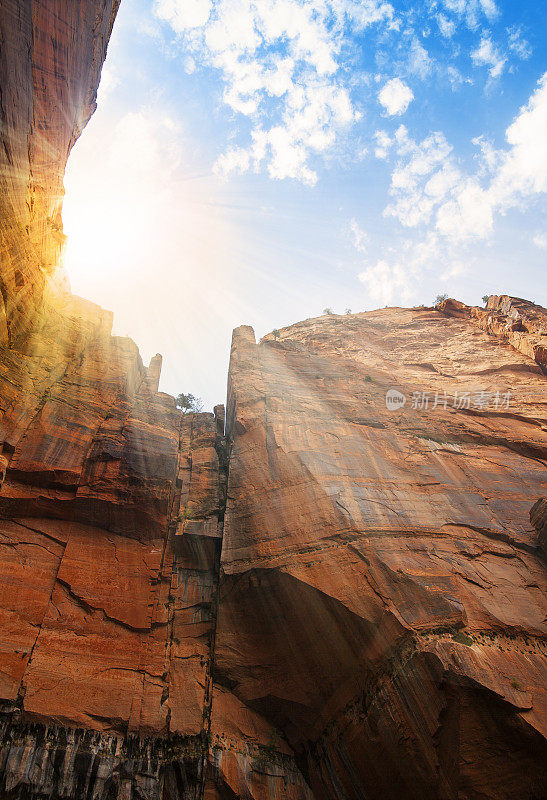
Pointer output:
x,y
382,597
50,63
327,593
106,627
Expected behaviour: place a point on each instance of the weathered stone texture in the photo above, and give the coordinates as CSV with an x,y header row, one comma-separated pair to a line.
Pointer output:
x,y
356,612
382,597
50,62
104,623
512,319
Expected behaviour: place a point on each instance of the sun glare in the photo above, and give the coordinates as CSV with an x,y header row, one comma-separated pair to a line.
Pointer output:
x,y
150,240
135,219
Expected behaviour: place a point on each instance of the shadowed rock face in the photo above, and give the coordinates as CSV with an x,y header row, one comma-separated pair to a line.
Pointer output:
x,y
335,598
538,518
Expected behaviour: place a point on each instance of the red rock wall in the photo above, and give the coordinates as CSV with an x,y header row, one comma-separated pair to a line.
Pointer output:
x,y
382,598
519,322
106,619
333,601
50,62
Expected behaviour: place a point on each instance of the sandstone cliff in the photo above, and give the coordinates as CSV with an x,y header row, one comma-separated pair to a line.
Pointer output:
x,y
105,630
105,615
382,599
51,56
322,596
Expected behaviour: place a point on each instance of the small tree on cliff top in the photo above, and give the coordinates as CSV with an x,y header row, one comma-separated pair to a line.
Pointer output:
x,y
187,403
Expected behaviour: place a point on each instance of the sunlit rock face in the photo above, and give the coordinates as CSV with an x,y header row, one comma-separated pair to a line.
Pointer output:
x,y
516,321
382,593
105,625
339,596
50,61
106,616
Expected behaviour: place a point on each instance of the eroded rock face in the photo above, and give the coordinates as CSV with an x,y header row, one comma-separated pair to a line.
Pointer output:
x,y
106,620
106,628
538,518
512,319
379,625
321,595
382,598
50,62
112,630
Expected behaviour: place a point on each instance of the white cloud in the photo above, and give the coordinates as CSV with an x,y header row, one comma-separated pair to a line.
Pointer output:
x,y
428,186
280,63
367,12
456,78
286,66
517,43
384,282
419,61
447,26
540,240
467,214
490,8
183,15
455,270
523,170
383,143
471,11
488,55
396,277
310,121
395,97
189,65
358,236
422,177
399,276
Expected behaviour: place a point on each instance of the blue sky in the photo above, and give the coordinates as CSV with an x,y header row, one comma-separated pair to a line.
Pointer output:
x,y
253,162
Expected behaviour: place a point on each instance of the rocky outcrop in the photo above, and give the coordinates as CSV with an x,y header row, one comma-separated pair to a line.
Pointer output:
x,y
519,322
382,600
538,518
106,625
106,618
375,625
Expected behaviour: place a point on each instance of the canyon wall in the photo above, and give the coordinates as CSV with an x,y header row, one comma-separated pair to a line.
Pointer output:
x,y
105,619
382,600
330,593
51,56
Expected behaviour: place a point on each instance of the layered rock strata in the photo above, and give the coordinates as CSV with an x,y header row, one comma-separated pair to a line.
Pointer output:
x,y
106,620
106,627
521,323
382,597
335,592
